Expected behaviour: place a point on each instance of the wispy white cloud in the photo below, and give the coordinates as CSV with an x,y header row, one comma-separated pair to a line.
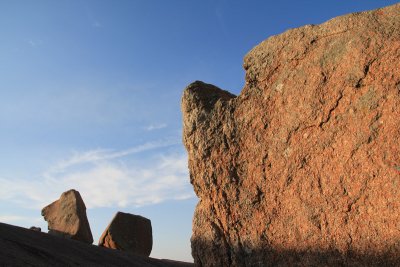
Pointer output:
x,y
104,181
96,155
34,43
153,127
18,219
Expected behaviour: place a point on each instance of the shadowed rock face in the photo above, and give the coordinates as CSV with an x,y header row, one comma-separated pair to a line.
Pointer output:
x,y
303,167
128,232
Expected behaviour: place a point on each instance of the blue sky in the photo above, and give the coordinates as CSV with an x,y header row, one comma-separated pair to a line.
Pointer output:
x,y
90,99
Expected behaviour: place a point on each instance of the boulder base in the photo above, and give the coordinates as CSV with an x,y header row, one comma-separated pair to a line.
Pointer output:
x,y
128,232
303,167
67,217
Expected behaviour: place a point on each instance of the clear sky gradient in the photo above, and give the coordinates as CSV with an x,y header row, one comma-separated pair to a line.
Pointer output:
x,y
90,99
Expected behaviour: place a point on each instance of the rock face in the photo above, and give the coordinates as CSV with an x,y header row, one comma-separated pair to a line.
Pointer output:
x,y
128,232
67,217
303,167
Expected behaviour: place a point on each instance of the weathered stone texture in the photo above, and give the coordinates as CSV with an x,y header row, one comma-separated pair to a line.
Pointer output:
x,y
303,167
128,232
67,217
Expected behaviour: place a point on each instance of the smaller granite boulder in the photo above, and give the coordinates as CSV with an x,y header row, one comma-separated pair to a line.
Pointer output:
x,y
36,229
128,232
66,217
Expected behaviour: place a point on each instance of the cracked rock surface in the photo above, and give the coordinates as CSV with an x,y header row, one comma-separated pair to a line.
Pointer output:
x,y
303,167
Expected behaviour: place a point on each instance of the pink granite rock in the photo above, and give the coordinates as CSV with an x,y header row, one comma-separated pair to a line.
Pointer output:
x,y
67,217
128,232
303,167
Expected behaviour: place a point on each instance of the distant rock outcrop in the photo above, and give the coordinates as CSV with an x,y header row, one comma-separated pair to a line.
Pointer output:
x,y
67,217
303,167
128,232
34,228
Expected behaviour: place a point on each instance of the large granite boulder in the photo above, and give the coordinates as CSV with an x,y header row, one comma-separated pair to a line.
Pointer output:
x,y
128,232
67,217
303,167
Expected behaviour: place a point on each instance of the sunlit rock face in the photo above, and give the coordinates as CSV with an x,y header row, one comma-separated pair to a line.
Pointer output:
x,y
303,167
67,217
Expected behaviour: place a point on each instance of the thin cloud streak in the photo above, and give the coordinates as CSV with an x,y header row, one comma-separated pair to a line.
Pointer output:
x,y
34,43
14,219
104,181
93,156
153,127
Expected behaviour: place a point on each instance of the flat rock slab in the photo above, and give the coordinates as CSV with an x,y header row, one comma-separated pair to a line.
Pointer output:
x,y
128,232
24,247
67,217
303,167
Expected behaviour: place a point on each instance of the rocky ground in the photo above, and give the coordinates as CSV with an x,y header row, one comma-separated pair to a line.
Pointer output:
x,y
24,247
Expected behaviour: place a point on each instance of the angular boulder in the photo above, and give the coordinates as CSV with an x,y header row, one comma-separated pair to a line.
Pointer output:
x,y
67,217
128,232
34,228
303,167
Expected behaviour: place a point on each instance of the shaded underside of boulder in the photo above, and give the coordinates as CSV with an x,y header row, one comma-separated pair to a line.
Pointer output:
x,y
303,167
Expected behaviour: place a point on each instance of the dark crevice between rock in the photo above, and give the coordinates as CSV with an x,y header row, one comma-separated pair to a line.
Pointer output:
x,y
331,111
366,70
